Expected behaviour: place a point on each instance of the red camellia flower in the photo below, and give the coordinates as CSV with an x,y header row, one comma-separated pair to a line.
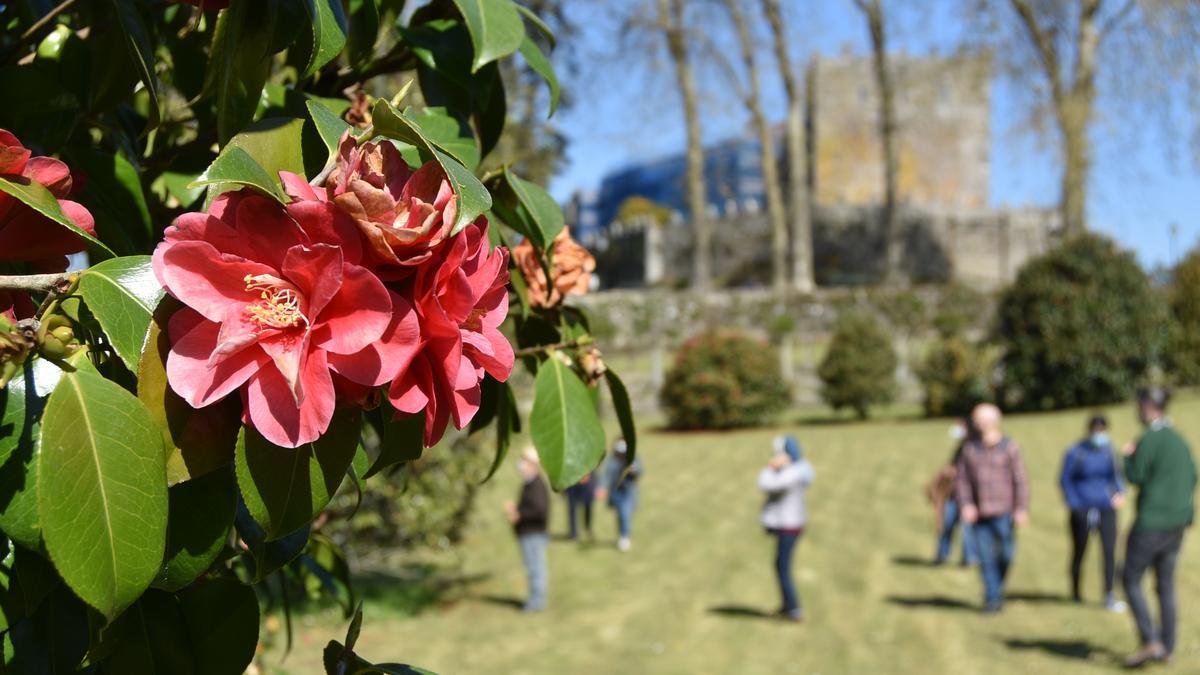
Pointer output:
x,y
277,307
27,236
461,297
403,215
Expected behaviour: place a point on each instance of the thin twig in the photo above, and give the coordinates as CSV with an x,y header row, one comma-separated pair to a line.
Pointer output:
x,y
34,282
569,344
41,23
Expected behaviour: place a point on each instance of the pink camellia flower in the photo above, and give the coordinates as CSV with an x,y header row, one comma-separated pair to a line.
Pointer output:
x,y
461,298
28,237
403,215
276,305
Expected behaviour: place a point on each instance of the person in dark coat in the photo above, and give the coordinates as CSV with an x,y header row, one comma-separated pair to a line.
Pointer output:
x,y
580,497
529,517
1093,490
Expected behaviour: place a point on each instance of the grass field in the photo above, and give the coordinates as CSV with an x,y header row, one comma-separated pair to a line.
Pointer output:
x,y
690,597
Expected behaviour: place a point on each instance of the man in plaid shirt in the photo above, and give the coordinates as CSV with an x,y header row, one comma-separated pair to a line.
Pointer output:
x,y
993,489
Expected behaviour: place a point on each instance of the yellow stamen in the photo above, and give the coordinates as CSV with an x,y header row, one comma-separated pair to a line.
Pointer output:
x,y
279,304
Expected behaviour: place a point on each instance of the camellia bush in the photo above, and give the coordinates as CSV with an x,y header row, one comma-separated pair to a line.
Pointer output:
x,y
1183,353
955,377
1079,326
859,370
723,380
289,284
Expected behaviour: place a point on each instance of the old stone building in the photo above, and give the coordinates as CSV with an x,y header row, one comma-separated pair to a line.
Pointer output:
x,y
951,230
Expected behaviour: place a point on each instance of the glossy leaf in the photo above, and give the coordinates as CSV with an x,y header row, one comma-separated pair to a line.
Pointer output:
x,y
507,421
102,493
444,131
284,488
542,66
113,194
473,198
537,21
221,618
401,440
23,403
364,29
37,197
541,208
240,64
198,523
255,157
53,640
495,26
328,23
624,410
564,426
329,125
122,294
267,556
149,638
341,660
141,51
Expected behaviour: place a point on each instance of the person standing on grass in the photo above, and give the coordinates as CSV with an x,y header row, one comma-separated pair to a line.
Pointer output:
x,y
784,480
940,493
1162,466
993,490
579,498
529,517
1092,488
620,488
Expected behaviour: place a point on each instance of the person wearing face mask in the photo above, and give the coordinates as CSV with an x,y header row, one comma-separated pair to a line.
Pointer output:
x,y
940,492
1093,490
784,480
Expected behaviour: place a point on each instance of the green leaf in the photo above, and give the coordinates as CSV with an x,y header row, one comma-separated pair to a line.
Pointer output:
x,y
122,293
54,640
141,51
150,638
198,524
401,440
507,421
473,198
102,491
541,25
541,65
284,488
38,198
113,194
444,131
256,156
23,403
240,64
329,125
564,426
541,208
341,660
221,616
496,28
267,556
364,30
624,409
328,33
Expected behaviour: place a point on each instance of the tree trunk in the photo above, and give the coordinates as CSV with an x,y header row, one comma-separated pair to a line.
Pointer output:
x,y
873,9
770,169
1075,116
800,209
670,14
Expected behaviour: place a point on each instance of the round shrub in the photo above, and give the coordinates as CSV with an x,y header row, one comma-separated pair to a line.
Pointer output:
x,y
859,370
723,380
1080,326
954,377
1183,354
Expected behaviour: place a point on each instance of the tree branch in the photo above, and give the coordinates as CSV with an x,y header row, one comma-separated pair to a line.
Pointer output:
x,y
1042,45
42,23
541,349
35,282
1115,20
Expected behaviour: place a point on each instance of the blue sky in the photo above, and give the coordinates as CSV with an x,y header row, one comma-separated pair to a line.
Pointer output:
x,y
628,110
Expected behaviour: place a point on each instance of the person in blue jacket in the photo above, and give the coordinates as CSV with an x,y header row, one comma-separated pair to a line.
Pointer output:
x,y
1093,490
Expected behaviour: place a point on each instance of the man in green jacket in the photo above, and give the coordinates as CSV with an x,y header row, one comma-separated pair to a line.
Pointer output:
x,y
1161,465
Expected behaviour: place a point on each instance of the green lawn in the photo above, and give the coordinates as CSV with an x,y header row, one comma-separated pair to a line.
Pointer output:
x,y
686,599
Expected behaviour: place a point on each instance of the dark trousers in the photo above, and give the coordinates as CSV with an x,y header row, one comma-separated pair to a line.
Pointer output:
x,y
1082,523
996,546
1158,549
576,502
785,547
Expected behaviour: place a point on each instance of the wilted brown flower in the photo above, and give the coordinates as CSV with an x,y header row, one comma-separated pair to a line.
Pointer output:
x,y
572,270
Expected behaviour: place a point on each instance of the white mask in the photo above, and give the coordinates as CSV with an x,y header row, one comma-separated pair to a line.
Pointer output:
x,y
957,432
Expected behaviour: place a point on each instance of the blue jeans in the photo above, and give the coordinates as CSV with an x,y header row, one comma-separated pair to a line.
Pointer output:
x,y
785,547
950,520
996,546
577,500
533,554
625,503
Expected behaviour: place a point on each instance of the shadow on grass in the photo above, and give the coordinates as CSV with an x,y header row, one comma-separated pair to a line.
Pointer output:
x,y
1069,649
502,600
912,561
930,601
1038,597
412,588
741,612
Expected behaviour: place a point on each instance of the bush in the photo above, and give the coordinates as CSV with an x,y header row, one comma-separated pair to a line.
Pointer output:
x,y
961,309
1079,327
1183,356
954,376
723,380
859,370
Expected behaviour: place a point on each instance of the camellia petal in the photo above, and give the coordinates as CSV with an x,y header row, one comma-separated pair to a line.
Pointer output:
x,y
273,412
190,374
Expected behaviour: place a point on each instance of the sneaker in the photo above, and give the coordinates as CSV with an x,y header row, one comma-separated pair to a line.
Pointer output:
x,y
1151,652
994,607
1112,604
791,617
624,544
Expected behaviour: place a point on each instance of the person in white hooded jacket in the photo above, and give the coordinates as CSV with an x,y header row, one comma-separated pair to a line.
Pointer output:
x,y
785,480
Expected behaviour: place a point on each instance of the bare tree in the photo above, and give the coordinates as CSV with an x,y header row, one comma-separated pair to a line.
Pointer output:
x,y
670,21
752,95
800,208
873,12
